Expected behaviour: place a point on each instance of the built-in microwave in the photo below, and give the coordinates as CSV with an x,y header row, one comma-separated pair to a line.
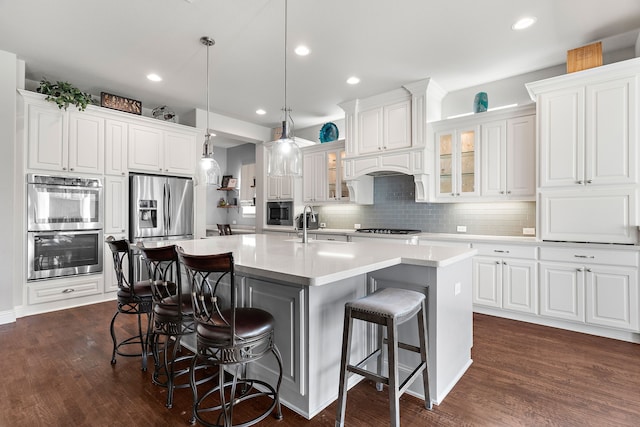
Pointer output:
x,y
279,213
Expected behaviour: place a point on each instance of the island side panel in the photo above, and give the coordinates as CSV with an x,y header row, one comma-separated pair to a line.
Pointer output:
x,y
453,325
325,329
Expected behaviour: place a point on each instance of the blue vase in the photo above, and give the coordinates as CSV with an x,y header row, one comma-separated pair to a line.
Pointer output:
x,y
480,102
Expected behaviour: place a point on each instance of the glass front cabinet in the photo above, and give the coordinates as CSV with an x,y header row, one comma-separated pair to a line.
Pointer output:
x,y
457,157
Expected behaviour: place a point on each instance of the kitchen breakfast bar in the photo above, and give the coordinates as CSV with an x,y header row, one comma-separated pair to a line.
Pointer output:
x,y
305,286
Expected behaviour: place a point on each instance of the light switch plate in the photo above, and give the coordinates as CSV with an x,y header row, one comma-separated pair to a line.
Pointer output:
x,y
529,231
356,226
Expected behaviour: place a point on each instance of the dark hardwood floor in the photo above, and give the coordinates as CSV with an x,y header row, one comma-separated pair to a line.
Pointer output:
x,y
56,371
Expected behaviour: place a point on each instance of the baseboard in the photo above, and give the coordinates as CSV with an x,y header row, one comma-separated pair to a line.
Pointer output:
x,y
8,316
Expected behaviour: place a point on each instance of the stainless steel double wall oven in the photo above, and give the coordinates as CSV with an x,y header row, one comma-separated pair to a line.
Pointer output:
x,y
65,226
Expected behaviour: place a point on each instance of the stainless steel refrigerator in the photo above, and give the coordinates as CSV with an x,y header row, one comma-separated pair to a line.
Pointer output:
x,y
161,208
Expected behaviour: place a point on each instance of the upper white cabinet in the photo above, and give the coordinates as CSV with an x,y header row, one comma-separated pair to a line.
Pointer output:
x,y
60,140
507,158
162,151
588,134
280,187
485,157
587,150
322,178
116,137
386,127
457,154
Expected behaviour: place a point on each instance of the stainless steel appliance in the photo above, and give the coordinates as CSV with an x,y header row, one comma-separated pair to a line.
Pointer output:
x,y
279,213
388,230
64,228
313,221
161,208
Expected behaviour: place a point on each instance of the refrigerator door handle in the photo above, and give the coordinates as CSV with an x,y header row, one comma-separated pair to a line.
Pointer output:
x,y
168,203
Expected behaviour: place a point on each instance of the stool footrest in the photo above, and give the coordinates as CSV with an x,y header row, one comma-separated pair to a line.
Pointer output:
x,y
368,374
407,383
404,346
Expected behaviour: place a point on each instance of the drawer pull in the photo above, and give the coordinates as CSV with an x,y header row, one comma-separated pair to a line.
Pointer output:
x,y
584,256
500,251
68,291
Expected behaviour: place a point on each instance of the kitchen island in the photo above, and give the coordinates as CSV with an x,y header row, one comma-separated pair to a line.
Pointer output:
x,y
305,287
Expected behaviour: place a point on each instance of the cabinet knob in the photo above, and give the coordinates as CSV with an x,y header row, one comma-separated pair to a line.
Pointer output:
x,y
498,262
509,192
71,169
589,270
589,181
122,173
579,182
579,269
502,192
453,194
64,169
457,194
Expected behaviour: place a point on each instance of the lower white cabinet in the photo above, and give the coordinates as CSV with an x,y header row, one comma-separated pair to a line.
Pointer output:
x,y
503,280
592,286
63,289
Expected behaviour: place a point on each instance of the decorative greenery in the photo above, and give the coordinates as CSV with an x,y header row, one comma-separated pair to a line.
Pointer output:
x,y
63,94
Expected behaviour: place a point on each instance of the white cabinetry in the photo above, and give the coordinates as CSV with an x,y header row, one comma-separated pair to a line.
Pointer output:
x,y
314,177
157,150
508,151
386,127
505,277
61,140
588,166
322,179
280,187
456,151
49,291
593,286
116,136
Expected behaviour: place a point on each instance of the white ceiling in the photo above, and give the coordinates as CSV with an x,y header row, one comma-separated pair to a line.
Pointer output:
x,y
110,46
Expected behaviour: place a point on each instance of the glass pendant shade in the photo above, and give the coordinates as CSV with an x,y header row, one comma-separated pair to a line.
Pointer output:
x,y
285,157
208,169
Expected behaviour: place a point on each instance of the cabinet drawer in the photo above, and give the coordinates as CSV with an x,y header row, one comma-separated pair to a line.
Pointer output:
x,y
506,251
47,292
333,237
591,256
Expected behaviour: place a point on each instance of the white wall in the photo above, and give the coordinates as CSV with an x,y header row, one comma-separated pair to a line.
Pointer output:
x,y
8,80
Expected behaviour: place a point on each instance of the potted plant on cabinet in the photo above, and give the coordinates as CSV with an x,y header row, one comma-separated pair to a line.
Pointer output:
x,y
64,93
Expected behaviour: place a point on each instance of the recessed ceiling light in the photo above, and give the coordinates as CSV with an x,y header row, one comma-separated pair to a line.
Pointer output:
x,y
261,112
154,77
302,50
523,23
353,80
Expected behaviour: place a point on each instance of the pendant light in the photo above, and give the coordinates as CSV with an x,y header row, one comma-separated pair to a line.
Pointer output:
x,y
285,156
209,169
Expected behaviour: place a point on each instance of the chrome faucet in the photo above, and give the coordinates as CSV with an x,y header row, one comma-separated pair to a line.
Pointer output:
x,y
304,221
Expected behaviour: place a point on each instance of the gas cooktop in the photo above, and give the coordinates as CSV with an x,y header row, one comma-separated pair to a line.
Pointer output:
x,y
388,230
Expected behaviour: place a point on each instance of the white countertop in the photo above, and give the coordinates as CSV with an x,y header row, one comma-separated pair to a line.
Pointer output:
x,y
318,262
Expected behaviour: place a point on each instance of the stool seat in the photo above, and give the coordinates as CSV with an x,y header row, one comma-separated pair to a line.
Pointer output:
x,y
387,308
401,304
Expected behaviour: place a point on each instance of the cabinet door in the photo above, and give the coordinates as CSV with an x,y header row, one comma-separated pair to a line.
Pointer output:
x,y
487,281
397,126
612,297
179,152
46,136
562,291
521,156
519,285
273,187
370,131
115,147
604,215
86,142
286,187
494,154
336,186
467,162
286,304
561,117
314,178
145,148
116,204
445,149
611,140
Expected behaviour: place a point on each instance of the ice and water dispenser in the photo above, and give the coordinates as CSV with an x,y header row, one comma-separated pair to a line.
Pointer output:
x,y
147,213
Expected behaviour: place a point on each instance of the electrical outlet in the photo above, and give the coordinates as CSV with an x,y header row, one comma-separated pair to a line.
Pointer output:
x,y
457,288
356,226
323,225
529,231
233,222
461,229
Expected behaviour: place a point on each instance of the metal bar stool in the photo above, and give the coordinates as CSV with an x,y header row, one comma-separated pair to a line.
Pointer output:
x,y
388,308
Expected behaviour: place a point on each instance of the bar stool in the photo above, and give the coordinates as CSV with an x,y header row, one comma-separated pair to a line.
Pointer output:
x,y
224,229
388,308
133,298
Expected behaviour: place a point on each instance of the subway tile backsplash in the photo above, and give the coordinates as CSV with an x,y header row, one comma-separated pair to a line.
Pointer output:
x,y
395,207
